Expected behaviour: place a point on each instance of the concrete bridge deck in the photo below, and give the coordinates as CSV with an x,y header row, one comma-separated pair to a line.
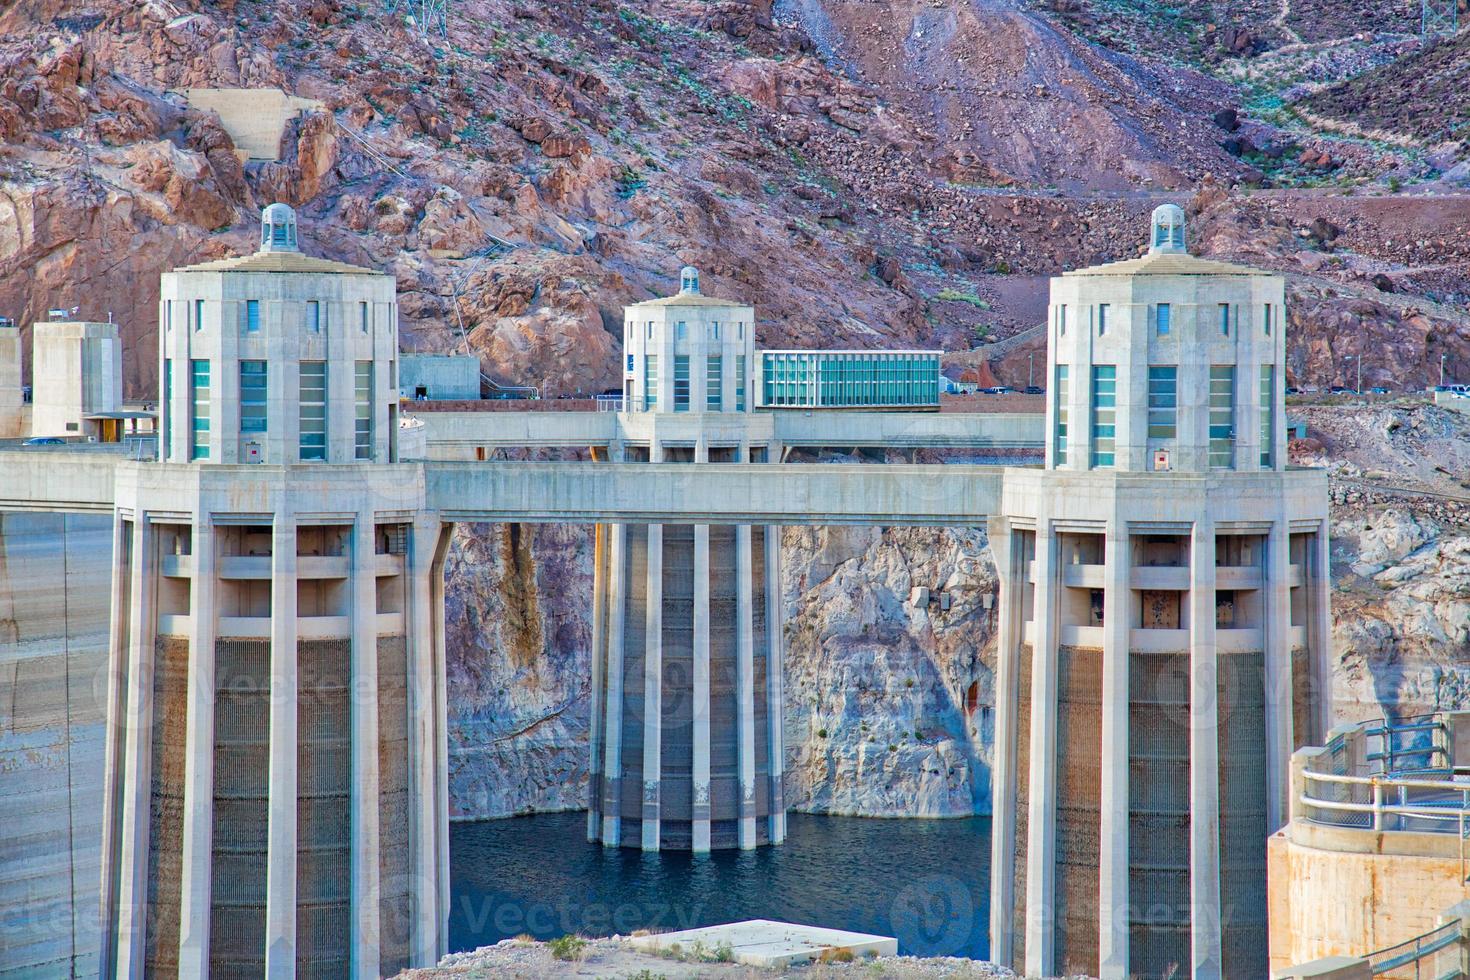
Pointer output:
x,y
579,492
451,431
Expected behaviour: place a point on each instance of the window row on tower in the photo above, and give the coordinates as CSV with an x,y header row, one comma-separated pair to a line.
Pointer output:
x,y
1224,317
312,406
315,315
1163,412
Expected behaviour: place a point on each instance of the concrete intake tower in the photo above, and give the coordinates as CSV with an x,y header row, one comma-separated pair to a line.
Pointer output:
x,y
686,718
275,788
1164,626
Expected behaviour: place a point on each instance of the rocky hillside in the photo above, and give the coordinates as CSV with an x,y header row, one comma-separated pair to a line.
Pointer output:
x,y
904,174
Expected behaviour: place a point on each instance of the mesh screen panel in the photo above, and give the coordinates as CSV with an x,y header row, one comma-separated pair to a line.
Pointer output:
x,y
1242,743
1078,818
395,866
1158,813
323,808
724,746
635,631
676,796
1023,805
166,804
241,805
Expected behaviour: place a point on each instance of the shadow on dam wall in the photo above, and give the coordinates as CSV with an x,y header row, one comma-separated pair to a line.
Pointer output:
x,y
55,582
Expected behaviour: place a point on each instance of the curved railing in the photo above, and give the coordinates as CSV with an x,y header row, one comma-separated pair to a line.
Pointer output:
x,y
1388,776
1387,802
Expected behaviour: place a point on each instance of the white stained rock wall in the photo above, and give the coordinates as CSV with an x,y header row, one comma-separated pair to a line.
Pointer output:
x,y
889,695
1401,611
888,705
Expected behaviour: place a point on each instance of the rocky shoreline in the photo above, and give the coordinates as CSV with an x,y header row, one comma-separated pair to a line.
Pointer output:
x,y
524,959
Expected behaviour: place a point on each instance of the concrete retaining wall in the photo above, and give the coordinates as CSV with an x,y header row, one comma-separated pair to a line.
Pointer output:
x,y
1347,897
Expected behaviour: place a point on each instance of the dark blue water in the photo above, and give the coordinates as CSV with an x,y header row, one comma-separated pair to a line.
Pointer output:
x,y
925,882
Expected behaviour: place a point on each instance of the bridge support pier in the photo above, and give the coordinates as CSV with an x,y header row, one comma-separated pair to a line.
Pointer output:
x,y
686,728
280,783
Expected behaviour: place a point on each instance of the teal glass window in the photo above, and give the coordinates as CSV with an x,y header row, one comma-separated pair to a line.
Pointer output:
x,y
1104,413
362,388
313,411
1062,389
1163,402
199,395
1268,414
1222,416
252,396
713,382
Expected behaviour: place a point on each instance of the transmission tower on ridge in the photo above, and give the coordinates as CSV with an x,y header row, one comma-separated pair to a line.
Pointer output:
x,y
427,16
1440,17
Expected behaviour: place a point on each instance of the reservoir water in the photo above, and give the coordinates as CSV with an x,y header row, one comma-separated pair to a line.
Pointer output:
x,y
925,882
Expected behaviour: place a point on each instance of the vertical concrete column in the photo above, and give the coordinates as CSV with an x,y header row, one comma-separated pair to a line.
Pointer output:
x,y
280,884
135,784
440,742
745,684
775,685
612,763
599,645
365,938
424,828
1318,583
1204,752
1276,583
1112,913
653,685
115,733
1003,771
701,708
1041,846
198,818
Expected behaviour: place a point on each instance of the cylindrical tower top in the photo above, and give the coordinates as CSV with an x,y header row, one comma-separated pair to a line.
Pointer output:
x,y
1168,230
1167,362
690,352
278,229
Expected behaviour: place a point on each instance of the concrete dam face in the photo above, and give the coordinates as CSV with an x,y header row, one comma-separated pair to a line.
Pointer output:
x,y
55,580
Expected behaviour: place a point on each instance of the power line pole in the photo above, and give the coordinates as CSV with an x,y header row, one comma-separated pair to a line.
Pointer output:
x,y
426,16
1439,17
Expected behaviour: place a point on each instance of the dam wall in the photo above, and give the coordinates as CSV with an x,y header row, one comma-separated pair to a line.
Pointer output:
x,y
55,580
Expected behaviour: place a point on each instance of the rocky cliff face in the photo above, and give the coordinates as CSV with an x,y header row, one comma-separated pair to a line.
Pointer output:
x,y
851,171
888,701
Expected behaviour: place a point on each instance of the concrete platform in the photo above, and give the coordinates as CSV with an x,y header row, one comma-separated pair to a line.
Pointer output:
x,y
765,942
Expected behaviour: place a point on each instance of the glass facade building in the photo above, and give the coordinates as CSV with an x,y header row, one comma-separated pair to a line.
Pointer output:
x,y
849,379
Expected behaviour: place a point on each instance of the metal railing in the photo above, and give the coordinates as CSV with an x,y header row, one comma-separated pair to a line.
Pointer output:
x,y
1436,955
1387,803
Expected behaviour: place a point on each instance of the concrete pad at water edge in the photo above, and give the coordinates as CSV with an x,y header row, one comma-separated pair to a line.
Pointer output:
x,y
765,942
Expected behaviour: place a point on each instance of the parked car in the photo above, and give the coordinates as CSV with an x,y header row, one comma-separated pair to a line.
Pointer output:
x,y
1000,390
1034,390
44,441
1339,390
1378,390
1293,390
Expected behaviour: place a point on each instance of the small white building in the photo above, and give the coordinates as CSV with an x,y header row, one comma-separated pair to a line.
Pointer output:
x,y
76,380
12,395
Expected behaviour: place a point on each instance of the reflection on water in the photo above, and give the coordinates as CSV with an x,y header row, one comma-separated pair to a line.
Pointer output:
x,y
924,881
